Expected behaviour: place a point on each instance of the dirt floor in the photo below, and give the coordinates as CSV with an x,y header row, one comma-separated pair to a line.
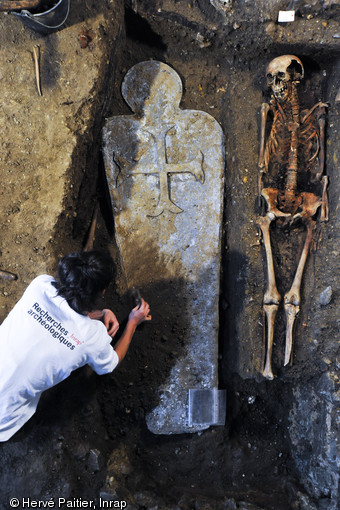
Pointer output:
x,y
88,438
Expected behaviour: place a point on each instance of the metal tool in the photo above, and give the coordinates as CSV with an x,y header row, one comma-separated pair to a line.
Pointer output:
x,y
137,298
48,21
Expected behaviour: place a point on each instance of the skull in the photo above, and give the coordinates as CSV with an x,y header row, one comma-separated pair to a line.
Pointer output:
x,y
281,73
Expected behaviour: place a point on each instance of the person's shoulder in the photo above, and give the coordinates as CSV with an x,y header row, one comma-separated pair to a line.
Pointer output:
x,y
41,283
42,279
38,286
97,335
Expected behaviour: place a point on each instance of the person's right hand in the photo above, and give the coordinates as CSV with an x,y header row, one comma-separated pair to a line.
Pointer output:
x,y
140,313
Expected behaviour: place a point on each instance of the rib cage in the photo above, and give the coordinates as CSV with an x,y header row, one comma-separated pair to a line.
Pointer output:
x,y
277,149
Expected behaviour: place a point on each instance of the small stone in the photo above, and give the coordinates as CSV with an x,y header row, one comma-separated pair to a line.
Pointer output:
x,y
323,366
94,460
271,28
112,484
326,296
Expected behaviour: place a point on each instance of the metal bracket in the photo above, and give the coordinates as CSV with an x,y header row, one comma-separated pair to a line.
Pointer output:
x,y
207,407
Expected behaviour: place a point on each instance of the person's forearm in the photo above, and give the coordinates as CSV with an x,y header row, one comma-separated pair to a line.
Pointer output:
x,y
123,343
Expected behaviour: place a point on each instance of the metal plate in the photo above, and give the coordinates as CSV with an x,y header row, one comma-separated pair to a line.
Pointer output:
x,y
207,406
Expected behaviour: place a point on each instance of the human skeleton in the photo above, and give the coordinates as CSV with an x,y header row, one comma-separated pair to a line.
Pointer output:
x,y
291,182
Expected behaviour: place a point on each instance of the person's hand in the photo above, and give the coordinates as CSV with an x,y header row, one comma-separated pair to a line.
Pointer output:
x,y
110,322
140,313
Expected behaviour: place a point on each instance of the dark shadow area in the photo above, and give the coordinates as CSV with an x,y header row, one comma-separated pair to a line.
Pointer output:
x,y
148,364
233,294
50,63
139,30
49,457
81,11
105,199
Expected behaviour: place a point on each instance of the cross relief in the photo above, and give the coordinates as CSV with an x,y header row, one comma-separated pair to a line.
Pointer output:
x,y
157,151
160,139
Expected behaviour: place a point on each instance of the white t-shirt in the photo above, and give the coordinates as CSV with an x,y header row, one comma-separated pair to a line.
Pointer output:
x,y
42,341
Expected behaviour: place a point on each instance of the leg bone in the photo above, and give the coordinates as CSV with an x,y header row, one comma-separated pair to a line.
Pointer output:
x,y
324,205
292,298
261,163
272,297
270,311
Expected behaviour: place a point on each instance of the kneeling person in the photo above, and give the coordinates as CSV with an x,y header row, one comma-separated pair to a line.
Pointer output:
x,y
55,328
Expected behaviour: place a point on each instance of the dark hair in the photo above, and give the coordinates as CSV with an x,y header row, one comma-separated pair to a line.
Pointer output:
x,y
82,277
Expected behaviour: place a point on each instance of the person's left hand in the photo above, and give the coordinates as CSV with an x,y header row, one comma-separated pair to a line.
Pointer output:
x,y
110,322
